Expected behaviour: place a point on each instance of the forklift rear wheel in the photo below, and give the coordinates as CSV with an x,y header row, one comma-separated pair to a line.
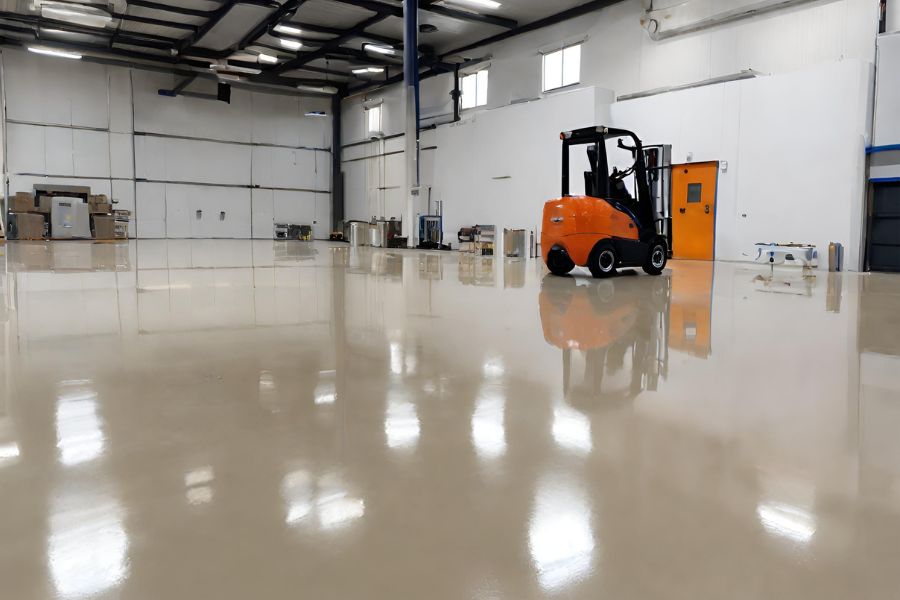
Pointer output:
x,y
657,257
559,262
603,260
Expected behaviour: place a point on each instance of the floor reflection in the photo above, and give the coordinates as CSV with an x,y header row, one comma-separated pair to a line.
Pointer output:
x,y
391,423
616,331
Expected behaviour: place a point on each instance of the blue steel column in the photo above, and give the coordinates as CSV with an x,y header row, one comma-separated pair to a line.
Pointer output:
x,y
411,97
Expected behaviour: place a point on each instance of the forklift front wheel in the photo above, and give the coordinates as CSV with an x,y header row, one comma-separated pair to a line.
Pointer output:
x,y
559,262
657,257
603,260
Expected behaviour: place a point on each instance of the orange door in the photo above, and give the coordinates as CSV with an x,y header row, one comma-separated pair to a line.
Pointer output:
x,y
694,210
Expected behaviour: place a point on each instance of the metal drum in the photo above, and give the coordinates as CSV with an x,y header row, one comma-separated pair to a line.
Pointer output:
x,y
358,233
378,234
514,243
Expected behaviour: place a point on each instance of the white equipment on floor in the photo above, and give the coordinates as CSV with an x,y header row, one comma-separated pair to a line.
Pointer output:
x,y
778,254
70,218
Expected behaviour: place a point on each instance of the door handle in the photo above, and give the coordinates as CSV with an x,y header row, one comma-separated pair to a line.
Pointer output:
x,y
707,209
682,210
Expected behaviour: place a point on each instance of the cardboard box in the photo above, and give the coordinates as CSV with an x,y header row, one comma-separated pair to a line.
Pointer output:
x,y
98,199
22,202
30,226
104,227
101,209
43,205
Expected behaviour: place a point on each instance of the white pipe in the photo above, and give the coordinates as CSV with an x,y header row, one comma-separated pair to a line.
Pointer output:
x,y
653,18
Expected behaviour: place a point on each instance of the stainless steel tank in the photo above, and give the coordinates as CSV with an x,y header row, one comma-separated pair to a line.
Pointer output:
x,y
514,243
378,234
358,233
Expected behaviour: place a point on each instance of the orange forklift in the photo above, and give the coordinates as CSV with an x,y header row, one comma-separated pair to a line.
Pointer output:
x,y
607,228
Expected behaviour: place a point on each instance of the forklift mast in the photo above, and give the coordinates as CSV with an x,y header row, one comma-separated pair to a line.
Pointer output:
x,y
599,182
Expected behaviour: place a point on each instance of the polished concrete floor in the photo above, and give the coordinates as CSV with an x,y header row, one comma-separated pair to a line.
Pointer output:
x,y
236,420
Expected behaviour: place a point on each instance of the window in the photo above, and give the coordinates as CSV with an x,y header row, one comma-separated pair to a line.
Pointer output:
x,y
562,68
695,193
474,89
373,120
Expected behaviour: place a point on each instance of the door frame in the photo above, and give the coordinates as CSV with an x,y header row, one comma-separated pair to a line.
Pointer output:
x,y
718,164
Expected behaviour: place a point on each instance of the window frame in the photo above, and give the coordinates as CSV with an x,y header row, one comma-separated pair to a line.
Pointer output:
x,y
562,67
475,74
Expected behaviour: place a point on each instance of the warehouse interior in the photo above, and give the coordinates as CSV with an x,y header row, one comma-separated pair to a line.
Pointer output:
x,y
450,299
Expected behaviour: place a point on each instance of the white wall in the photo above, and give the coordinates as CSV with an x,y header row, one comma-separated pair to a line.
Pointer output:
x,y
796,163
815,95
887,98
243,165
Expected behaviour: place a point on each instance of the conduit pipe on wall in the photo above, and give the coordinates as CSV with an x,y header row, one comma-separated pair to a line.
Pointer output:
x,y
654,19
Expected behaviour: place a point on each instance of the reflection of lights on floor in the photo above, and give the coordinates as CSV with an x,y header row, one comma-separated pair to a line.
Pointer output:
x,y
199,491
787,521
324,498
401,425
266,381
396,359
326,388
560,538
339,510
488,425
87,549
78,433
572,430
9,453
494,369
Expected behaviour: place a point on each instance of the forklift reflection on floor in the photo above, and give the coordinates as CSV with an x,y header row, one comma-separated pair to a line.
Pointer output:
x,y
616,331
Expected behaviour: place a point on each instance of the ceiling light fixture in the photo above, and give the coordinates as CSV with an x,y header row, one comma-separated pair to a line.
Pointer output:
x,y
366,70
317,113
291,44
79,14
267,59
491,4
287,29
379,49
56,53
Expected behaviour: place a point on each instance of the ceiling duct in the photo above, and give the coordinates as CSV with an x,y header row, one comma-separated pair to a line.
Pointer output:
x,y
77,13
680,18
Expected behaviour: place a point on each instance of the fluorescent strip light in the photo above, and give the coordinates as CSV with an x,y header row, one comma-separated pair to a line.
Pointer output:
x,y
317,113
375,69
360,71
491,4
380,49
288,30
291,44
56,53
268,59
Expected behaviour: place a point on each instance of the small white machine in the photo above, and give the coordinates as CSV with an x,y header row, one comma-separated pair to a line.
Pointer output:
x,y
778,254
70,218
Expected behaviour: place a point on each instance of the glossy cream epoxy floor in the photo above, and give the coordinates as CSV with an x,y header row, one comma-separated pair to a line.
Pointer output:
x,y
219,419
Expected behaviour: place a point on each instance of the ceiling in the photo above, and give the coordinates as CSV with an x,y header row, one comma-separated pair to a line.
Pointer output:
x,y
245,40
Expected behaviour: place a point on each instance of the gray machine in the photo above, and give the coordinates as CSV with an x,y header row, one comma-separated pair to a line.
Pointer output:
x,y
70,218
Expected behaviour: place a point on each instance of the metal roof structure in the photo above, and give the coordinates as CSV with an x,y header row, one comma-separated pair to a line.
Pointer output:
x,y
301,46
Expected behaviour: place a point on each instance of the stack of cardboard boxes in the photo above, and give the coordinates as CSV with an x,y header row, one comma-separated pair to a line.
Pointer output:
x,y
109,224
101,215
28,216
